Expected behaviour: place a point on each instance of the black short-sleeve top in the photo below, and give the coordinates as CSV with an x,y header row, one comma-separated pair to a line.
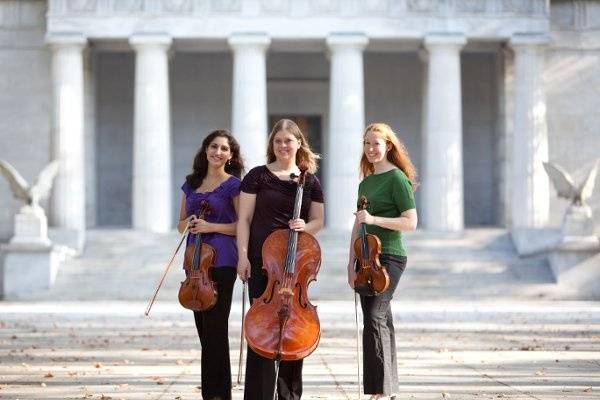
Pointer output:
x,y
275,204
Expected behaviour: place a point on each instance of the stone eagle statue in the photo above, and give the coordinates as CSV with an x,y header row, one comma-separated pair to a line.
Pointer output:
x,y
30,194
565,186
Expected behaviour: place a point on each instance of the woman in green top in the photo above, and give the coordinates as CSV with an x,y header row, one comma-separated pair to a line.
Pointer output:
x,y
388,184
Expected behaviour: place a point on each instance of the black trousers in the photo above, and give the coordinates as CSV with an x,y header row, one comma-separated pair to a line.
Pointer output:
x,y
213,330
380,367
260,371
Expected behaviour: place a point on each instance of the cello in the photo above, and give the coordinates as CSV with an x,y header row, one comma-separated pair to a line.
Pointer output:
x,y
282,324
198,292
371,278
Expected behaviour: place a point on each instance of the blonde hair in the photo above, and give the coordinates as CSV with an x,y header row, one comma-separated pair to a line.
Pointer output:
x,y
397,155
304,155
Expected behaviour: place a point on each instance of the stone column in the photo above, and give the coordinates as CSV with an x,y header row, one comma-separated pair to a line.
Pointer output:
x,y
68,198
346,125
249,112
530,193
152,134
442,175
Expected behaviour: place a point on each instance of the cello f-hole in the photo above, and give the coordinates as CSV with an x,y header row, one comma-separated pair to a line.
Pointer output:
x,y
302,303
272,291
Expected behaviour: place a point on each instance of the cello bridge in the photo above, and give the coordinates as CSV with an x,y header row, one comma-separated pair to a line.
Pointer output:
x,y
286,291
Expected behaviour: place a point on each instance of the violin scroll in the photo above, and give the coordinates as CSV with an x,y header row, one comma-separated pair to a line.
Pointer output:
x,y
363,203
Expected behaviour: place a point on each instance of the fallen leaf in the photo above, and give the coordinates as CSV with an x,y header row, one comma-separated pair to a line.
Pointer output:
x,y
158,380
49,375
98,365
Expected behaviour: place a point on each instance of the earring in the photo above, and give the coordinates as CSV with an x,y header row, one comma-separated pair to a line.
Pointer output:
x,y
228,163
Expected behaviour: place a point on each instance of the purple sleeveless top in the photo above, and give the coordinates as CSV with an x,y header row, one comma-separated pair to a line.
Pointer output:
x,y
221,212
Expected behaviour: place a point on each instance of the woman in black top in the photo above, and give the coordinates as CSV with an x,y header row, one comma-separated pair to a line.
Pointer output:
x,y
266,204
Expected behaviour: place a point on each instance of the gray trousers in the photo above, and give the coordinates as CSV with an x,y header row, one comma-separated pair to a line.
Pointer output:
x,y
380,368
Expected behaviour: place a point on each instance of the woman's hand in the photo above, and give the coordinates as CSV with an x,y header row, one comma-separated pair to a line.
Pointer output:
x,y
363,217
198,225
351,275
297,225
187,222
243,268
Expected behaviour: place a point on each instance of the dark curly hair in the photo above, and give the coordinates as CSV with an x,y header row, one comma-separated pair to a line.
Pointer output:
x,y
234,167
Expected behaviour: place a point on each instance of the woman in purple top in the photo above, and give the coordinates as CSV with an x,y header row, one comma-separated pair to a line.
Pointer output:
x,y
266,204
216,179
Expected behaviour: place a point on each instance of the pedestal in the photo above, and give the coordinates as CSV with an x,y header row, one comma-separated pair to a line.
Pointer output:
x,y
31,226
578,222
571,252
25,268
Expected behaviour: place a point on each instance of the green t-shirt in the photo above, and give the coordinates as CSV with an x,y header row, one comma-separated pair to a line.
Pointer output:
x,y
389,194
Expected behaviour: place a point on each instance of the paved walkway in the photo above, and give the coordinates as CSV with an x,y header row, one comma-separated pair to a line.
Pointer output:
x,y
445,350
473,322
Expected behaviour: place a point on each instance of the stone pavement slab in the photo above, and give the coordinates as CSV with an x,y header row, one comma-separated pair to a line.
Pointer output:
x,y
446,350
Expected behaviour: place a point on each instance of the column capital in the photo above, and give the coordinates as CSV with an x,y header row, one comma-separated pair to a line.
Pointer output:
x,y
356,40
258,40
444,40
142,40
528,40
75,40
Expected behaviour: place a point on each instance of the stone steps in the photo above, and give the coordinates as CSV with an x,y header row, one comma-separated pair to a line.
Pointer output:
x,y
122,264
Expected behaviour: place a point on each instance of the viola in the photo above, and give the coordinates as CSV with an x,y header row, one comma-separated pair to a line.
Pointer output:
x,y
282,324
371,278
198,292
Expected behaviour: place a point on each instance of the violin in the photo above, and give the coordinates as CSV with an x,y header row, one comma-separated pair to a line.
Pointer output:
x,y
371,278
282,324
198,292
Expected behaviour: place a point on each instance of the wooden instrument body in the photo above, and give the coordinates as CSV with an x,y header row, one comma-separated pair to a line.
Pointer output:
x,y
370,275
301,330
370,272
198,292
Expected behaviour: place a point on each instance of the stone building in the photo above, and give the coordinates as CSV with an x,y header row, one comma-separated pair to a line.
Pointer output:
x,y
123,91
